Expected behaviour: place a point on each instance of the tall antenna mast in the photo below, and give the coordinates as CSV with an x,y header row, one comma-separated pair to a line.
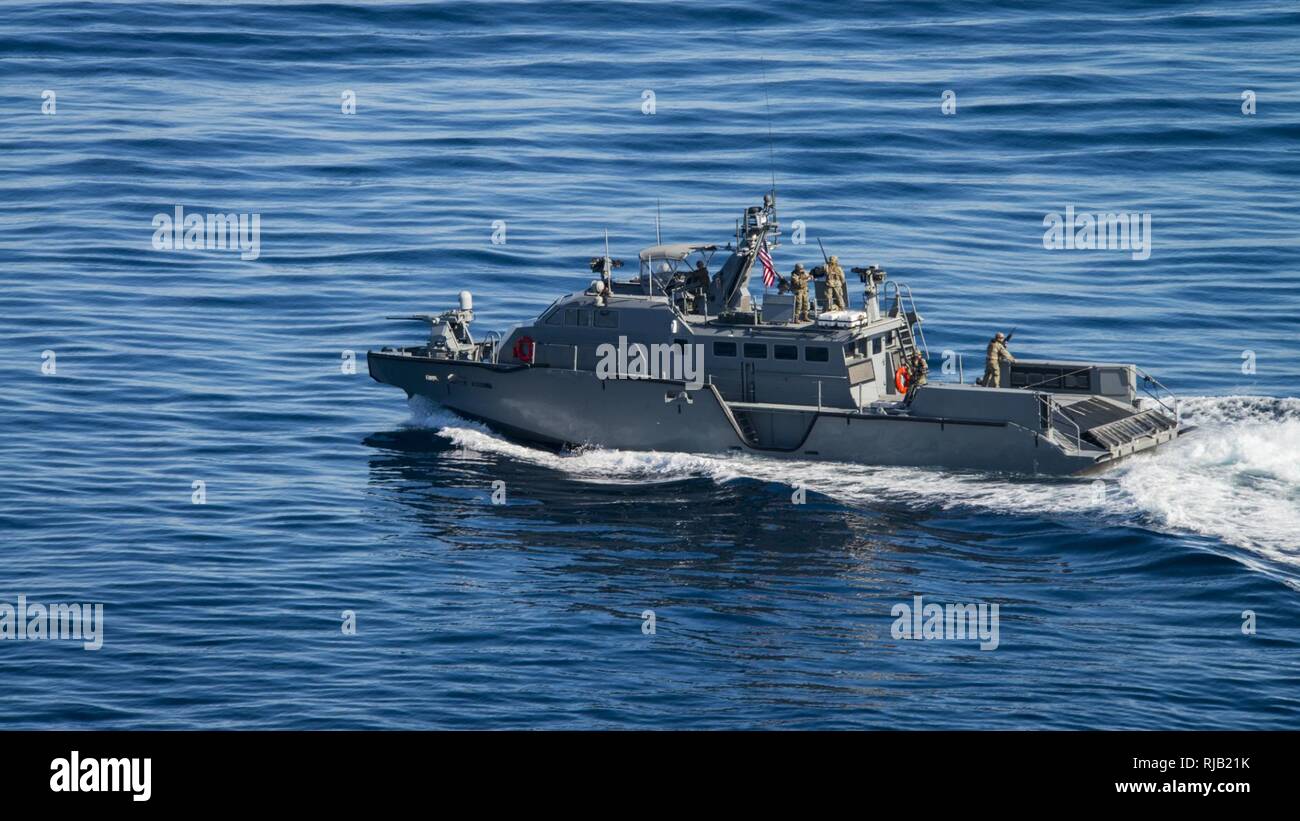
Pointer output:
x,y
767,106
658,239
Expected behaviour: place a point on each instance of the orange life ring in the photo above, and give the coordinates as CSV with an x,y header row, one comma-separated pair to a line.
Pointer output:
x,y
524,349
900,379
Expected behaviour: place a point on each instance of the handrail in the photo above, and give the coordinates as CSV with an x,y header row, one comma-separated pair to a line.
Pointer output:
x,y
1148,379
1051,405
731,417
493,338
899,289
920,326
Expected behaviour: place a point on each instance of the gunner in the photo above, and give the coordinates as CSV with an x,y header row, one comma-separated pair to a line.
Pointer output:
x,y
699,280
997,354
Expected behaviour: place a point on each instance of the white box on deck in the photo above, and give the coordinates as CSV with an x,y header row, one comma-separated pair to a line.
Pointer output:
x,y
842,319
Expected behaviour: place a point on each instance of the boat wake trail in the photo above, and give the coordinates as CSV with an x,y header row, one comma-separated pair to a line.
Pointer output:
x,y
1235,479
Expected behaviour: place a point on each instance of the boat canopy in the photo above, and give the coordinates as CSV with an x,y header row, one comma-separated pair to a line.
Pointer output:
x,y
676,251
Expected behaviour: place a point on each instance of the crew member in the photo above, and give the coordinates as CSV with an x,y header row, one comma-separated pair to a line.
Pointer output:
x,y
836,287
993,359
699,281
799,285
917,372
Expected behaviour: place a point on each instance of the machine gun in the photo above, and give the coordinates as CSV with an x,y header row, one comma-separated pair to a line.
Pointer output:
x,y
873,273
820,270
598,264
448,331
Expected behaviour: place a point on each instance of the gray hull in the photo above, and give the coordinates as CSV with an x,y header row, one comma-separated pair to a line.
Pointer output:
x,y
945,426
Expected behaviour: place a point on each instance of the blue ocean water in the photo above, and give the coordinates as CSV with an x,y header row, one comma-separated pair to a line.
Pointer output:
x,y
326,492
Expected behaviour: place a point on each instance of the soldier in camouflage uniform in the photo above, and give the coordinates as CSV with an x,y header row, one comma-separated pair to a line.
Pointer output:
x,y
993,359
799,285
918,370
697,285
835,286
699,281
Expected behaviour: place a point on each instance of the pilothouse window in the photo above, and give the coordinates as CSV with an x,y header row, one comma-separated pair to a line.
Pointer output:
x,y
605,319
755,350
785,352
816,353
577,316
724,348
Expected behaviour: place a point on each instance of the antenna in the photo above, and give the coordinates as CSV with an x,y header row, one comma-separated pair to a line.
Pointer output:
x,y
658,239
767,106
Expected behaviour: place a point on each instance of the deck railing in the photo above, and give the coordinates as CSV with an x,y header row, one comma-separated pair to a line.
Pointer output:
x,y
903,291
1158,393
1050,407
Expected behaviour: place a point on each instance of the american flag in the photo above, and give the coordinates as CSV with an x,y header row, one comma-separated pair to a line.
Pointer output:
x,y
769,272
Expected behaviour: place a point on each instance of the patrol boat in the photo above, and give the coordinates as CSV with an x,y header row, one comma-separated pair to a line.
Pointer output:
x,y
675,360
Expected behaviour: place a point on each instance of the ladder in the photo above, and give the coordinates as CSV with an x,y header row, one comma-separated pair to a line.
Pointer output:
x,y
907,310
746,426
1124,431
907,340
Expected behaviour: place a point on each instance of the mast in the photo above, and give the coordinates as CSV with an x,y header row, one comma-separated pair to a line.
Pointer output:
x,y
756,224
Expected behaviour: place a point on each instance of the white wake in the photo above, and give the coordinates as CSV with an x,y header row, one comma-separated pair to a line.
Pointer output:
x,y
1235,479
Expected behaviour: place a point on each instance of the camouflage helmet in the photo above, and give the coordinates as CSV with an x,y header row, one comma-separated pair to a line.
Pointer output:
x,y
999,336
834,259
798,266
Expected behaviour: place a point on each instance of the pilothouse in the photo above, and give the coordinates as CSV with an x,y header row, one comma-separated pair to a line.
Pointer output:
x,y
679,358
